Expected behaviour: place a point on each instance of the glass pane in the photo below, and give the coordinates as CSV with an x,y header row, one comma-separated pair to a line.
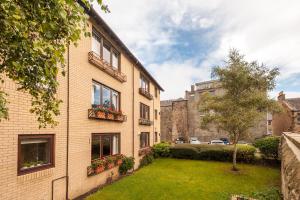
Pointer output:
x,y
34,152
106,53
96,44
115,101
106,150
115,60
96,147
96,94
106,97
115,144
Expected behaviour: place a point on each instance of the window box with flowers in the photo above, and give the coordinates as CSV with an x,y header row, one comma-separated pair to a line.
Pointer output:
x,y
102,113
102,164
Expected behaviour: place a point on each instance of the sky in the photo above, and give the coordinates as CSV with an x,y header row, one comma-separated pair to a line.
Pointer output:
x,y
179,41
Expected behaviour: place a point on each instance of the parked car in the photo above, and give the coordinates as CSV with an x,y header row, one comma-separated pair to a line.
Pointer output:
x,y
220,142
194,140
179,140
225,140
242,142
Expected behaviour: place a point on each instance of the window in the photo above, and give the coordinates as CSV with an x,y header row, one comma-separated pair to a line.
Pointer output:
x,y
105,145
156,137
115,60
35,152
144,111
144,140
156,92
96,43
144,83
269,122
298,118
105,50
104,96
155,113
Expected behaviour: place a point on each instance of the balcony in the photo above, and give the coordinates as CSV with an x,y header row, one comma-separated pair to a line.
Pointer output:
x,y
145,122
106,67
145,93
105,114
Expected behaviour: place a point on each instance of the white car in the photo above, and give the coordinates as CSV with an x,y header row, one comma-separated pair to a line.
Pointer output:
x,y
220,142
194,140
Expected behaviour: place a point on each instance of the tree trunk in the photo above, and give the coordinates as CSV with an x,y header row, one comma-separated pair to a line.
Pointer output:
x,y
235,141
234,167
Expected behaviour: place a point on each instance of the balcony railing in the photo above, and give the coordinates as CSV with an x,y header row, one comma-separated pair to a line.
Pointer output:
x,y
145,93
106,67
146,122
95,113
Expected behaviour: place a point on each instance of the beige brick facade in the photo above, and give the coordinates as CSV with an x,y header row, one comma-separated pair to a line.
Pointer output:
x,y
38,185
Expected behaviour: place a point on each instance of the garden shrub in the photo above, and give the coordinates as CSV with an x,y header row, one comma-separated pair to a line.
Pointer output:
x,y
245,153
161,150
269,194
268,146
127,164
147,159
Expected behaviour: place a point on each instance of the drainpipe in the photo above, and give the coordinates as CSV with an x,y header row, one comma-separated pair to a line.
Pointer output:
x,y
153,134
133,137
68,123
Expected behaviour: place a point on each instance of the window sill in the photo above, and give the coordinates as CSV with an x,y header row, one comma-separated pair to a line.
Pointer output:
x,y
145,122
144,150
145,93
34,169
105,67
101,115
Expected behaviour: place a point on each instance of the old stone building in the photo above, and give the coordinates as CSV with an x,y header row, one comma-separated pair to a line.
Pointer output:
x,y
289,119
182,118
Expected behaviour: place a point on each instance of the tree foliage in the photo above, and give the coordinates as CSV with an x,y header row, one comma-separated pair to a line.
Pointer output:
x,y
245,98
34,36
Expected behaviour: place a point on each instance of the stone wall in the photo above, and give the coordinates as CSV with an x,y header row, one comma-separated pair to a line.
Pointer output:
x,y
290,166
174,122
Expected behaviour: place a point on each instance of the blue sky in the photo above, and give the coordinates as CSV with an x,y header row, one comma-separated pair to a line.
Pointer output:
x,y
179,41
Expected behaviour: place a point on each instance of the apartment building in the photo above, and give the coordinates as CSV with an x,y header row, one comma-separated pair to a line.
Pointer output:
x,y
111,105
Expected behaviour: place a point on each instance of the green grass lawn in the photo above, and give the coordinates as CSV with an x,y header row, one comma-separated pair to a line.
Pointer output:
x,y
189,179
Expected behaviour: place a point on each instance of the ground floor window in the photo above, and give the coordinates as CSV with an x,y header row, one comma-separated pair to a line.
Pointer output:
x,y
35,152
156,137
144,139
105,145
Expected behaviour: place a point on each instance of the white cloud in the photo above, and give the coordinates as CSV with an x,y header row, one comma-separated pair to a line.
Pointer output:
x,y
267,31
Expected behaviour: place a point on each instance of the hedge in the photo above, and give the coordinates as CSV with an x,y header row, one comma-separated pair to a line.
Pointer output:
x,y
268,146
245,153
161,150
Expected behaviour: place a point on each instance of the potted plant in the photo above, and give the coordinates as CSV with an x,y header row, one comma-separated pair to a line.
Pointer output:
x,y
100,166
90,170
110,114
110,162
119,159
100,112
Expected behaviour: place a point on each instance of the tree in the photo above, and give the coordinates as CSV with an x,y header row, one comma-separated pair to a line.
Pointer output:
x,y
34,36
245,98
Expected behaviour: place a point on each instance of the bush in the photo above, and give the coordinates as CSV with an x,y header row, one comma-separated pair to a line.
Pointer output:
x,y
268,146
245,153
147,159
127,164
269,194
161,150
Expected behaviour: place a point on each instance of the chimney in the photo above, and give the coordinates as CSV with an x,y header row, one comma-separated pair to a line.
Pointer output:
x,y
281,96
192,88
